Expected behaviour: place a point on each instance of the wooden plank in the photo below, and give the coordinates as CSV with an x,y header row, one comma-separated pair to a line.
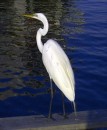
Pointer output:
x,y
85,120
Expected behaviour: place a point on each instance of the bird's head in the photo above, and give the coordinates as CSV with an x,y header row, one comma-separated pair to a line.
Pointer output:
x,y
39,16
43,19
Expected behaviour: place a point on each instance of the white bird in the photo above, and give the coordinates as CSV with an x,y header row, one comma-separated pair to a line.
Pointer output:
x,y
56,62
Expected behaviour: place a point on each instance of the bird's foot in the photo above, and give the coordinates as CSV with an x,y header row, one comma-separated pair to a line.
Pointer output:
x,y
50,116
65,116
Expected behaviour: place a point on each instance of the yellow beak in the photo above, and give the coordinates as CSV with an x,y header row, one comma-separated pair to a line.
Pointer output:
x,y
30,15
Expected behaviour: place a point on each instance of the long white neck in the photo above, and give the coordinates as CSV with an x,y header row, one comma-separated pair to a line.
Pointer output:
x,y
42,32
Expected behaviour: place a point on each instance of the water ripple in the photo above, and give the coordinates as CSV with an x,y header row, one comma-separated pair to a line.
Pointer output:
x,y
80,27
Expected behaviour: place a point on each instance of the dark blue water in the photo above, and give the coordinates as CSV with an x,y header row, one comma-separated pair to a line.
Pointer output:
x,y
80,27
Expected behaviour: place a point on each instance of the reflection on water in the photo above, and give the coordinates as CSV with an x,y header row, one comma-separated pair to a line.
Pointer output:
x,y
24,82
20,61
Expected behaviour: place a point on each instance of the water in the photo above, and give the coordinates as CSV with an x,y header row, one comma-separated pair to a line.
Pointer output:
x,y
80,27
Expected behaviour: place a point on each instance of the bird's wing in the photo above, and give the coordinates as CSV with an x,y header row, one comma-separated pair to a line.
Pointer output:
x,y
59,68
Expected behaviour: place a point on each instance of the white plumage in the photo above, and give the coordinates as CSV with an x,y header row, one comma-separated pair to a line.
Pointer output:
x,y
58,67
56,62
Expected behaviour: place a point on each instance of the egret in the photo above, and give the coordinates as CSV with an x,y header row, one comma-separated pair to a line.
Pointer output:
x,y
56,63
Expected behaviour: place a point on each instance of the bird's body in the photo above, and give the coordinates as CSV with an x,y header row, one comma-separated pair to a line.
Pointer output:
x,y
58,67
56,61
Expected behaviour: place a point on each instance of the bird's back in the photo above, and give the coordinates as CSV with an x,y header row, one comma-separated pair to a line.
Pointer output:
x,y
59,68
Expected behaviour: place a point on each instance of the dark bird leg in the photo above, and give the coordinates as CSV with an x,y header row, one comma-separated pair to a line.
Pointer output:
x,y
63,105
75,112
50,108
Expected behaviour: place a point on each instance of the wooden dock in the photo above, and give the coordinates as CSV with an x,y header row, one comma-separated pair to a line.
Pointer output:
x,y
85,120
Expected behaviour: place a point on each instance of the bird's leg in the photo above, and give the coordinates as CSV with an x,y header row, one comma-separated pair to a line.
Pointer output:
x,y
50,108
63,104
75,112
